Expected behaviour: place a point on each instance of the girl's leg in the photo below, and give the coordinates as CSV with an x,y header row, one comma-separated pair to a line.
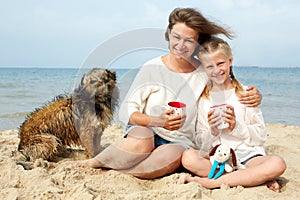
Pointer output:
x,y
127,152
196,162
258,170
165,159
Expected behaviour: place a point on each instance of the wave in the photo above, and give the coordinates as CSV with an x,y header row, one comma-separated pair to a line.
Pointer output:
x,y
14,115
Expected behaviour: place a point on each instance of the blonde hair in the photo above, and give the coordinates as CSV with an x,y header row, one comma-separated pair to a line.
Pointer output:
x,y
214,44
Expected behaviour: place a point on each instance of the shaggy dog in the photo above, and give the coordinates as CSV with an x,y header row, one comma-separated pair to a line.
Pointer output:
x,y
79,119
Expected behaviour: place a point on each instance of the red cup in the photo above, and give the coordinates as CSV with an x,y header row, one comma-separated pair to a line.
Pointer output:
x,y
178,108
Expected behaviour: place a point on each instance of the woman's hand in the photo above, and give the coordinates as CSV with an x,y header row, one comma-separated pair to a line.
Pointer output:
x,y
251,98
229,116
172,122
165,120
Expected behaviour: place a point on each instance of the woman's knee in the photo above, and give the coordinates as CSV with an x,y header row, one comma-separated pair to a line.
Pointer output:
x,y
169,153
141,132
141,139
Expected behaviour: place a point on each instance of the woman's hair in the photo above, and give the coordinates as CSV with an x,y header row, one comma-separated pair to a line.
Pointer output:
x,y
195,20
217,44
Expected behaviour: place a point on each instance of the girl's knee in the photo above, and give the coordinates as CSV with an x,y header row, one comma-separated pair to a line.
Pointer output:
x,y
187,157
280,164
276,166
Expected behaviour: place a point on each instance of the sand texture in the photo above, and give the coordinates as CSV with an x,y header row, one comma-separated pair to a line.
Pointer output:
x,y
62,180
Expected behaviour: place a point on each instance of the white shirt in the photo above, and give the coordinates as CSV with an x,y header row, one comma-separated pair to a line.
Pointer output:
x,y
154,86
249,134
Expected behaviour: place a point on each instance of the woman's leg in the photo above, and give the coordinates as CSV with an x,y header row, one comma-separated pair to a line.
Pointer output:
x,y
127,152
165,159
258,170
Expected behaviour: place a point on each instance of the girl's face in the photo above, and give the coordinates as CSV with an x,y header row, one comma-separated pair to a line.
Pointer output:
x,y
183,40
217,67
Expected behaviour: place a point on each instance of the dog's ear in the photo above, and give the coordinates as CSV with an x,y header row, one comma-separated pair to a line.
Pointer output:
x,y
213,150
82,78
111,74
233,157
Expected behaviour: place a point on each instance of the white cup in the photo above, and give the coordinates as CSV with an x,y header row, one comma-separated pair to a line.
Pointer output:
x,y
220,109
178,108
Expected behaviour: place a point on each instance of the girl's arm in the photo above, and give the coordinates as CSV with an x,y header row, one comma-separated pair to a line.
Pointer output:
x,y
205,135
253,129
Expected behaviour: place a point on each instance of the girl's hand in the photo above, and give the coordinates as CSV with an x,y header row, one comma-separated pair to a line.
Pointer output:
x,y
251,98
229,116
214,120
172,123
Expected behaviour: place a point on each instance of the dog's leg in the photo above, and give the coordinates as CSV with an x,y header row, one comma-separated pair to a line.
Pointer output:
x,y
36,146
91,140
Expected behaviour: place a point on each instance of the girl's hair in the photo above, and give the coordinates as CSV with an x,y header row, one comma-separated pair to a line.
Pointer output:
x,y
217,44
195,20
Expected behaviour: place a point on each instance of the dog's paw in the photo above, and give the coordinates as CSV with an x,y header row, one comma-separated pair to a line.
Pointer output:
x,y
25,165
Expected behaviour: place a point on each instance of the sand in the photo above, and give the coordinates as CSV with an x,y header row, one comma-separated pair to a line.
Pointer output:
x,y
61,180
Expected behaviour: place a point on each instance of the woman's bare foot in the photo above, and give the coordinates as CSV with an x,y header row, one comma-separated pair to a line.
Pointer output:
x,y
273,185
93,163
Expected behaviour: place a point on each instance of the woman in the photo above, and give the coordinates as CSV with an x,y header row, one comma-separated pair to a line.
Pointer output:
x,y
155,140
246,132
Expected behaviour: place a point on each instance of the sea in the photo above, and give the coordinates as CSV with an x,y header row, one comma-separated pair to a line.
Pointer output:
x,y
24,89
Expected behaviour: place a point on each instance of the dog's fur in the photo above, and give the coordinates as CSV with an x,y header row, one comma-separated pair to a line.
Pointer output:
x,y
78,119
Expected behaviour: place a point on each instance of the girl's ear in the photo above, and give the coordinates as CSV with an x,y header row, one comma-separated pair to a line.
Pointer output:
x,y
230,60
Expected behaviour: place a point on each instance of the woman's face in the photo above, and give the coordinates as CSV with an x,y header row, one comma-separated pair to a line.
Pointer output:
x,y
183,40
217,67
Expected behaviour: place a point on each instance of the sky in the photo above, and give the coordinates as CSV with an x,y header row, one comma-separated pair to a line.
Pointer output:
x,y
67,32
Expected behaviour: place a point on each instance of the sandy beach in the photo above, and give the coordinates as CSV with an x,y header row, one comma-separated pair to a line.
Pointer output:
x,y
60,180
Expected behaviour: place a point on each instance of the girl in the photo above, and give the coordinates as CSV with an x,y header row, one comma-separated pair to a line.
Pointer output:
x,y
246,132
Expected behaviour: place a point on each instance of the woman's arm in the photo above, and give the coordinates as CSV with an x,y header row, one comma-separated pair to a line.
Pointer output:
x,y
251,98
164,120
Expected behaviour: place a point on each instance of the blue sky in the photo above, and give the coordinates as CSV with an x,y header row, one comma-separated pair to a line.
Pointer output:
x,y
65,32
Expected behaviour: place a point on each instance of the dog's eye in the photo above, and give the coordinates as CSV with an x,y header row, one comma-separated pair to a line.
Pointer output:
x,y
224,154
92,81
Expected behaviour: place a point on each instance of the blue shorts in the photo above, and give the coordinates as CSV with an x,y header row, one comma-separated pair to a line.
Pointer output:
x,y
256,155
158,141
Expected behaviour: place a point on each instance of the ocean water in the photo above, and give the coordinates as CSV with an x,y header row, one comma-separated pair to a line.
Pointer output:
x,y
24,89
